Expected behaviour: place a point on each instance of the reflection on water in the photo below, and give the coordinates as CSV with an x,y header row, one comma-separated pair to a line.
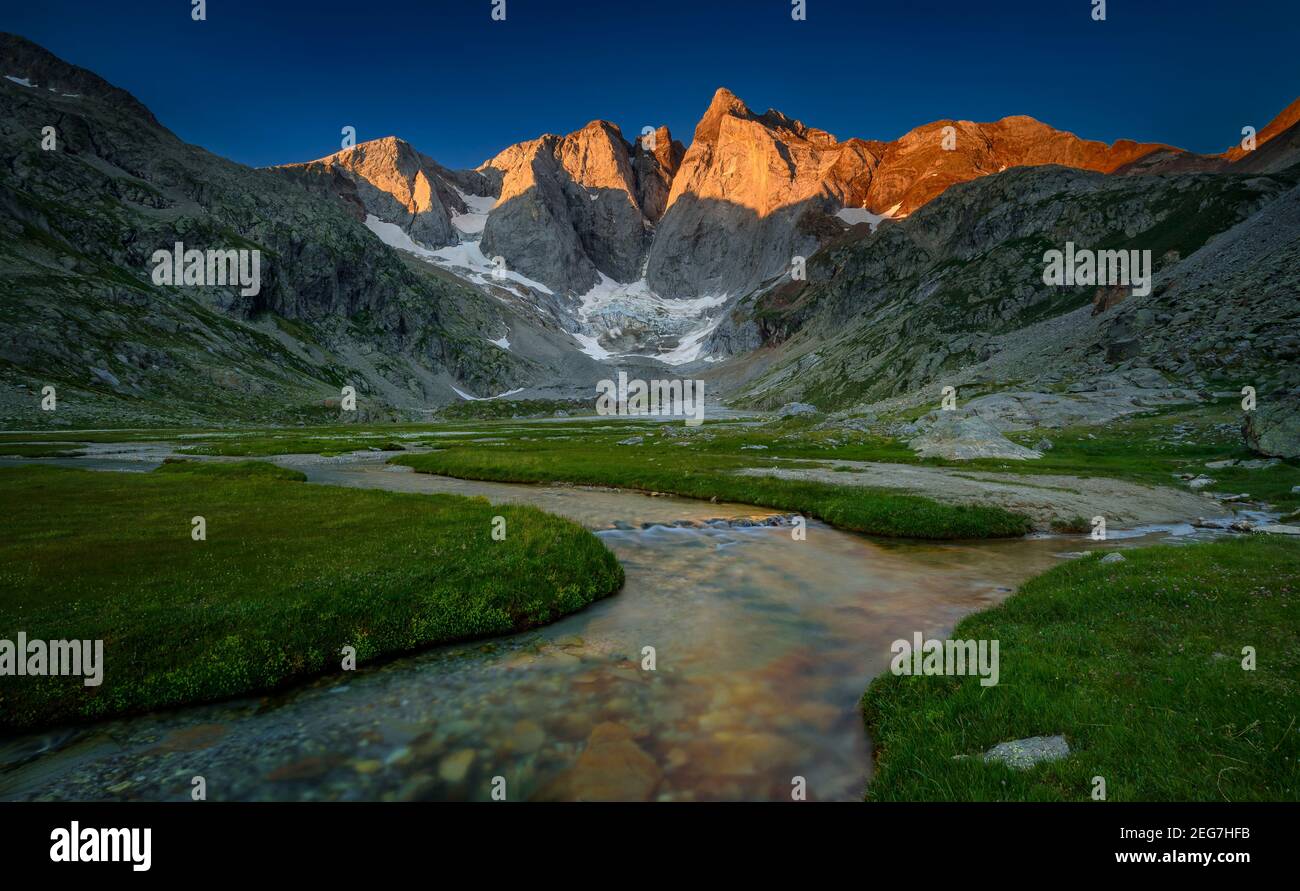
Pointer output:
x,y
763,647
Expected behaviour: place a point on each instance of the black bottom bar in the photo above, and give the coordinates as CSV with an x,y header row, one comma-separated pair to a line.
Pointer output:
x,y
337,841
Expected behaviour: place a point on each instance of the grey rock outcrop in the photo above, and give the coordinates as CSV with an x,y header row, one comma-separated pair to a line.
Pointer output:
x,y
389,179
1090,402
571,207
962,436
1277,529
1273,428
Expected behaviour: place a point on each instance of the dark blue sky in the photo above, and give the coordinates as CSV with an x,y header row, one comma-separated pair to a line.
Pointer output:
x,y
273,81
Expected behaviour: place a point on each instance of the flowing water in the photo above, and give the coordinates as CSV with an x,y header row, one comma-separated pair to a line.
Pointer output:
x,y
763,645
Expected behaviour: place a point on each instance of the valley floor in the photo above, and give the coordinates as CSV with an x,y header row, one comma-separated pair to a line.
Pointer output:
x,y
1128,645
1133,471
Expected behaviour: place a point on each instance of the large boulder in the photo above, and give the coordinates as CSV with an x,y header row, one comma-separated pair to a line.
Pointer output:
x,y
796,409
1273,428
961,436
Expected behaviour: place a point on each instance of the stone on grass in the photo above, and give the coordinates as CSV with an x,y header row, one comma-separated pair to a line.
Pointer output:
x,y
455,766
1260,463
1113,557
1023,754
1278,529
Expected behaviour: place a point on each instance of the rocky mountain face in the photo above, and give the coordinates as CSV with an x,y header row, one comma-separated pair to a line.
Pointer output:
x,y
751,192
563,209
573,207
954,294
1277,146
656,158
652,223
924,263
755,190
538,226
746,200
387,178
1282,150
1286,121
82,218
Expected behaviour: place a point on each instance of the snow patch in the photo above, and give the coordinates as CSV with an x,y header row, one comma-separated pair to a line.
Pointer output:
x,y
473,221
690,346
855,215
21,81
463,395
467,256
636,299
394,235
591,346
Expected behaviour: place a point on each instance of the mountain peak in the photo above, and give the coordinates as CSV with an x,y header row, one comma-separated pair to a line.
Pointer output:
x,y
41,68
1285,120
727,100
724,103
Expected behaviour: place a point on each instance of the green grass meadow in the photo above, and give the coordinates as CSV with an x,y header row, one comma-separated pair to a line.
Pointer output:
x,y
288,575
1138,664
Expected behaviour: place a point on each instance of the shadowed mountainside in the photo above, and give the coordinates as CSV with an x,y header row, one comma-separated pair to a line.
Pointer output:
x,y
82,221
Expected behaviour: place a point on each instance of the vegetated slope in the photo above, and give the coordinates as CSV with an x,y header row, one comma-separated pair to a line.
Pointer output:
x,y
955,293
80,311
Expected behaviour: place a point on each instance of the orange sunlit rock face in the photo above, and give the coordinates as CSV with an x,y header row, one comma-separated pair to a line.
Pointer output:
x,y
729,212
766,162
